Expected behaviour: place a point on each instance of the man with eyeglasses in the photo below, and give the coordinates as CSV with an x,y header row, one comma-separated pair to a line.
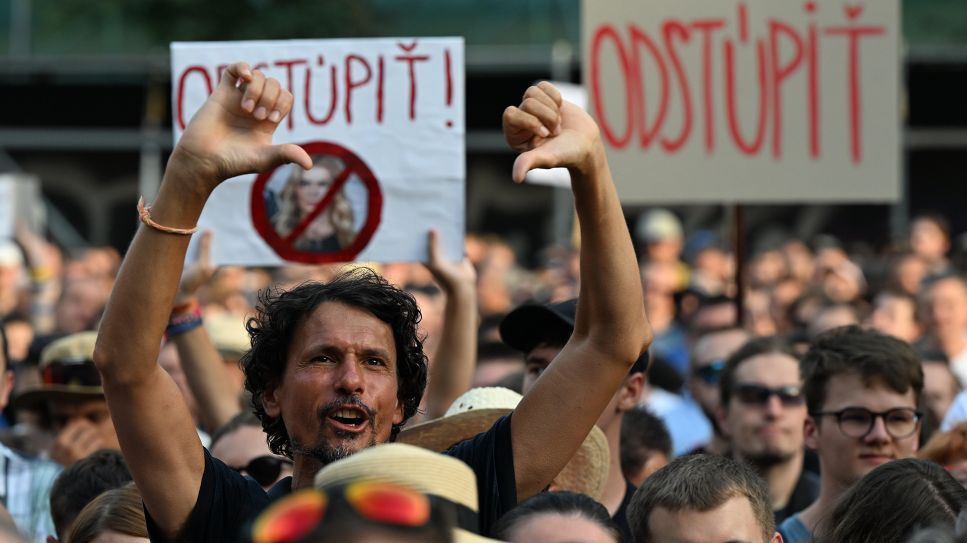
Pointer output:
x,y
704,374
862,391
763,411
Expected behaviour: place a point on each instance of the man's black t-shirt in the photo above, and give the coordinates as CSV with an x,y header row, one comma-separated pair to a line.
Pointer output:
x,y
227,501
620,517
803,495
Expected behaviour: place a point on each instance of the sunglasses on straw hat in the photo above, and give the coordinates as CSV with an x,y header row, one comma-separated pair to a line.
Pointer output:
x,y
296,516
450,484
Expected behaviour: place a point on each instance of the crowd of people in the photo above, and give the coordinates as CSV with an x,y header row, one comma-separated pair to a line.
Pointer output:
x,y
627,389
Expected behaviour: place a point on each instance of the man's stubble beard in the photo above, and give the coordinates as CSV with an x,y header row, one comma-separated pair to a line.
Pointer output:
x,y
767,457
326,453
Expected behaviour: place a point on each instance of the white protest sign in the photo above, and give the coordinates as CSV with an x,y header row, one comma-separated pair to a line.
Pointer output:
x,y
20,201
7,207
383,120
747,100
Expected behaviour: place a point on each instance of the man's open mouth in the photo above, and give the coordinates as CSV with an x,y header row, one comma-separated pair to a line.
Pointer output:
x,y
349,417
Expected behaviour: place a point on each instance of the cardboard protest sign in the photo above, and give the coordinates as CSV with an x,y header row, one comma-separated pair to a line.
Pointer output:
x,y
20,202
383,120
747,100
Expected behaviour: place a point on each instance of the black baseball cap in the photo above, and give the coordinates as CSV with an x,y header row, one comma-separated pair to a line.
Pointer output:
x,y
534,323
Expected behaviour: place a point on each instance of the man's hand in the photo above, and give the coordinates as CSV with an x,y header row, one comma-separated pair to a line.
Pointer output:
x,y
550,133
77,440
449,275
232,132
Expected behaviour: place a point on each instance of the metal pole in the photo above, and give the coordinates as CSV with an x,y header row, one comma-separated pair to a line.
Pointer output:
x,y
738,240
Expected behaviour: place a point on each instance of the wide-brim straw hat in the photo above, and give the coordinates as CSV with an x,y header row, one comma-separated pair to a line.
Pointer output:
x,y
479,408
75,350
438,476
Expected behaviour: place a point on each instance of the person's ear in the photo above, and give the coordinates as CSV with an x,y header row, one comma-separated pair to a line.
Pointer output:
x,y
398,413
811,433
631,392
776,538
270,401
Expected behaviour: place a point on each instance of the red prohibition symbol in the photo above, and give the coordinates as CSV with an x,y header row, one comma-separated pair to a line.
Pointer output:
x,y
285,245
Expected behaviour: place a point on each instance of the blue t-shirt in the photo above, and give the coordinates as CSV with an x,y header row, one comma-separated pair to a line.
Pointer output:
x,y
227,501
793,530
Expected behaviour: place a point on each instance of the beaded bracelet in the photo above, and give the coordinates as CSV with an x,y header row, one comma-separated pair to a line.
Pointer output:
x,y
145,213
184,322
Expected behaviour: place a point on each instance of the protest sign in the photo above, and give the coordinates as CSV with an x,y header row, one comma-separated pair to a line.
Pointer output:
x,y
20,202
747,100
383,120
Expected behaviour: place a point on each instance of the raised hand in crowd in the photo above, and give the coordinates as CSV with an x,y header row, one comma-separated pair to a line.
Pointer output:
x,y
610,329
78,439
44,276
214,393
456,355
230,135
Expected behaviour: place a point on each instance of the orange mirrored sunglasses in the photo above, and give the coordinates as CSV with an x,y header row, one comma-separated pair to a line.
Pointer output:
x,y
298,514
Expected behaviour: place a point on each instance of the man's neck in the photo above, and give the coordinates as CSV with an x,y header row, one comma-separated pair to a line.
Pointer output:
x,y
781,478
304,471
614,489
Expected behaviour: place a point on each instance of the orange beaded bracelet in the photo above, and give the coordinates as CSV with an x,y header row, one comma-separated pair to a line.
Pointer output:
x,y
145,213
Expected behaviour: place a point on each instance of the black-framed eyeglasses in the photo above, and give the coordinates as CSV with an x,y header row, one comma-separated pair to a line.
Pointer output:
x,y
711,373
264,469
790,396
857,422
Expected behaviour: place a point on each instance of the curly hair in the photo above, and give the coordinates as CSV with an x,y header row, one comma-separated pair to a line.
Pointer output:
x,y
280,313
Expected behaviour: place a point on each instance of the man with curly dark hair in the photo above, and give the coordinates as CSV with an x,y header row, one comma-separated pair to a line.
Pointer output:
x,y
336,368
272,330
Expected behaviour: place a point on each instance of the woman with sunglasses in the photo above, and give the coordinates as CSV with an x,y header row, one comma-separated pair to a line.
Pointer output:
x,y
241,445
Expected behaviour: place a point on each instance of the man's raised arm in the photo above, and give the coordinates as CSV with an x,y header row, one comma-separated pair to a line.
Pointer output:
x,y
611,329
230,135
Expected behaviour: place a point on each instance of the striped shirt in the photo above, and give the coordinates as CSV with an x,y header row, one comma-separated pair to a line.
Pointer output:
x,y
25,486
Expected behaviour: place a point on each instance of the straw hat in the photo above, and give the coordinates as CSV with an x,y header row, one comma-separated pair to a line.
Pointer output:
x,y
477,410
67,372
228,333
435,475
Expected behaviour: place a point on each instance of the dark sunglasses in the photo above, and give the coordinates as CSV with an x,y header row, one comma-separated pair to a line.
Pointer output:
x,y
711,373
790,396
264,469
71,372
294,517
